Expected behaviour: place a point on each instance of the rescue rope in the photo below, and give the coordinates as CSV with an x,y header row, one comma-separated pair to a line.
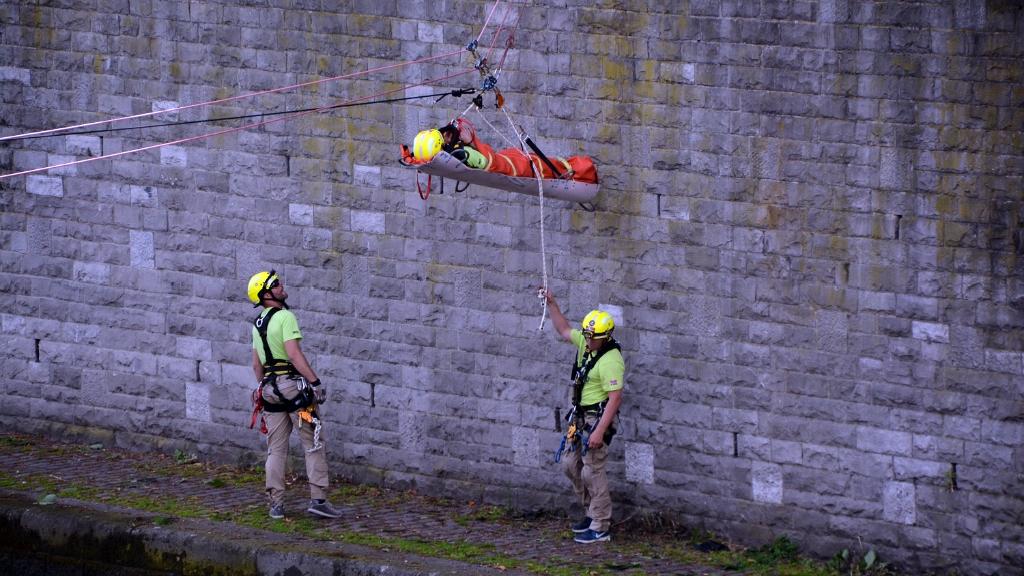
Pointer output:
x,y
489,82
439,95
229,99
538,174
286,116
504,139
487,22
227,130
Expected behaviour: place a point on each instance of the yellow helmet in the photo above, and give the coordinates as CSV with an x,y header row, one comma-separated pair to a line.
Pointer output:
x,y
598,324
427,144
259,283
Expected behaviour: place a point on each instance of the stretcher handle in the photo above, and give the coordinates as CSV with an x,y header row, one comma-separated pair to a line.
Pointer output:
x,y
536,150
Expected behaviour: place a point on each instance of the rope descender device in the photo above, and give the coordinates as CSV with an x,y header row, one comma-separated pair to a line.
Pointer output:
x,y
489,79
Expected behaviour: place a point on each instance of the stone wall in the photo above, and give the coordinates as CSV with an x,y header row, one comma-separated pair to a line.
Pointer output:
x,y
809,229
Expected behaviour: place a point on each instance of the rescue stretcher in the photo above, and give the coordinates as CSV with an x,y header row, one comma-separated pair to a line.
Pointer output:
x,y
445,165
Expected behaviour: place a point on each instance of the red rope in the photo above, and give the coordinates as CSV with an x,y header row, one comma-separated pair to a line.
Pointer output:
x,y
250,95
423,195
230,99
229,130
509,42
260,93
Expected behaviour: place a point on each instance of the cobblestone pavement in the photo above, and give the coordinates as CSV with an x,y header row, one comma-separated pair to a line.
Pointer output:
x,y
377,517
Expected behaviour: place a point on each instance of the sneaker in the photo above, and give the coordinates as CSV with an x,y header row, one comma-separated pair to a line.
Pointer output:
x,y
277,511
323,508
582,526
591,536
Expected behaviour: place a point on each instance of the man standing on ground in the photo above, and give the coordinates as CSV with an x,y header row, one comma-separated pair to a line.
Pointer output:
x,y
289,394
597,394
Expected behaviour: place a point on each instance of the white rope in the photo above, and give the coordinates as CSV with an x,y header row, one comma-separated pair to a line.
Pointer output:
x,y
540,194
498,132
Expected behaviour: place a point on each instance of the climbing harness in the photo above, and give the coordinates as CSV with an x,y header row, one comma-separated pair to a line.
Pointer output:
x,y
304,402
581,367
577,435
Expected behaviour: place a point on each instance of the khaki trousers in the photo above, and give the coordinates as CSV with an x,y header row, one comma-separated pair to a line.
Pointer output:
x,y
589,479
279,430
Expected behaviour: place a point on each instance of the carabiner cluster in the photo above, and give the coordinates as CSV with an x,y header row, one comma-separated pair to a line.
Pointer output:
x,y
489,79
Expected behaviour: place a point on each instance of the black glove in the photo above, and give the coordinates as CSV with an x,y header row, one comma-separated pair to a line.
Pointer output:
x,y
319,391
460,154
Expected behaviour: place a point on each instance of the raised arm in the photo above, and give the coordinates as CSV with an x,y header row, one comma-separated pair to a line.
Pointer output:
x,y
558,320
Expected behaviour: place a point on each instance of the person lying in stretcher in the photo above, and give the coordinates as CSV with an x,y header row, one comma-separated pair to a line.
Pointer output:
x,y
462,151
459,139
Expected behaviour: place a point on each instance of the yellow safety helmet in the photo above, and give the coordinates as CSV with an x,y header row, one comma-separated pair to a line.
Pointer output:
x,y
598,324
259,283
427,144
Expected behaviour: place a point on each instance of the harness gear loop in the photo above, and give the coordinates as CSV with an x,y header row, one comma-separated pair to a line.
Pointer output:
x,y
257,410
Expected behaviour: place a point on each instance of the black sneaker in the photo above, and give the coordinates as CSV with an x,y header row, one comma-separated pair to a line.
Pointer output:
x,y
582,526
277,511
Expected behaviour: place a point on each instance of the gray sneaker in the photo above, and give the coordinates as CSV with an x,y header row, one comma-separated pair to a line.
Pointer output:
x,y
277,511
323,508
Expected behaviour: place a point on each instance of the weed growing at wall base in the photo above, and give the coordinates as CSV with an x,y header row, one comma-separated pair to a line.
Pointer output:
x,y
846,564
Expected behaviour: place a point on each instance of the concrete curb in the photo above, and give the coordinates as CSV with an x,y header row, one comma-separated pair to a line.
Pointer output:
x,y
106,535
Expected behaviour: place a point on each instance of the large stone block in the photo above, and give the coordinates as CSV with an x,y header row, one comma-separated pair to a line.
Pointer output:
x,y
899,504
767,483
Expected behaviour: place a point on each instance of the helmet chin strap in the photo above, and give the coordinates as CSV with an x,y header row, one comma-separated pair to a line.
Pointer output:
x,y
272,299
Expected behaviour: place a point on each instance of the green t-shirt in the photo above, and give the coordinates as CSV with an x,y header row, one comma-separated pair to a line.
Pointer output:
x,y
606,376
283,326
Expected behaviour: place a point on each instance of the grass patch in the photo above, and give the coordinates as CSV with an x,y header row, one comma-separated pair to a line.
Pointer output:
x,y
185,466
162,506
33,483
241,477
15,441
778,558
483,554
354,493
79,492
483,514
